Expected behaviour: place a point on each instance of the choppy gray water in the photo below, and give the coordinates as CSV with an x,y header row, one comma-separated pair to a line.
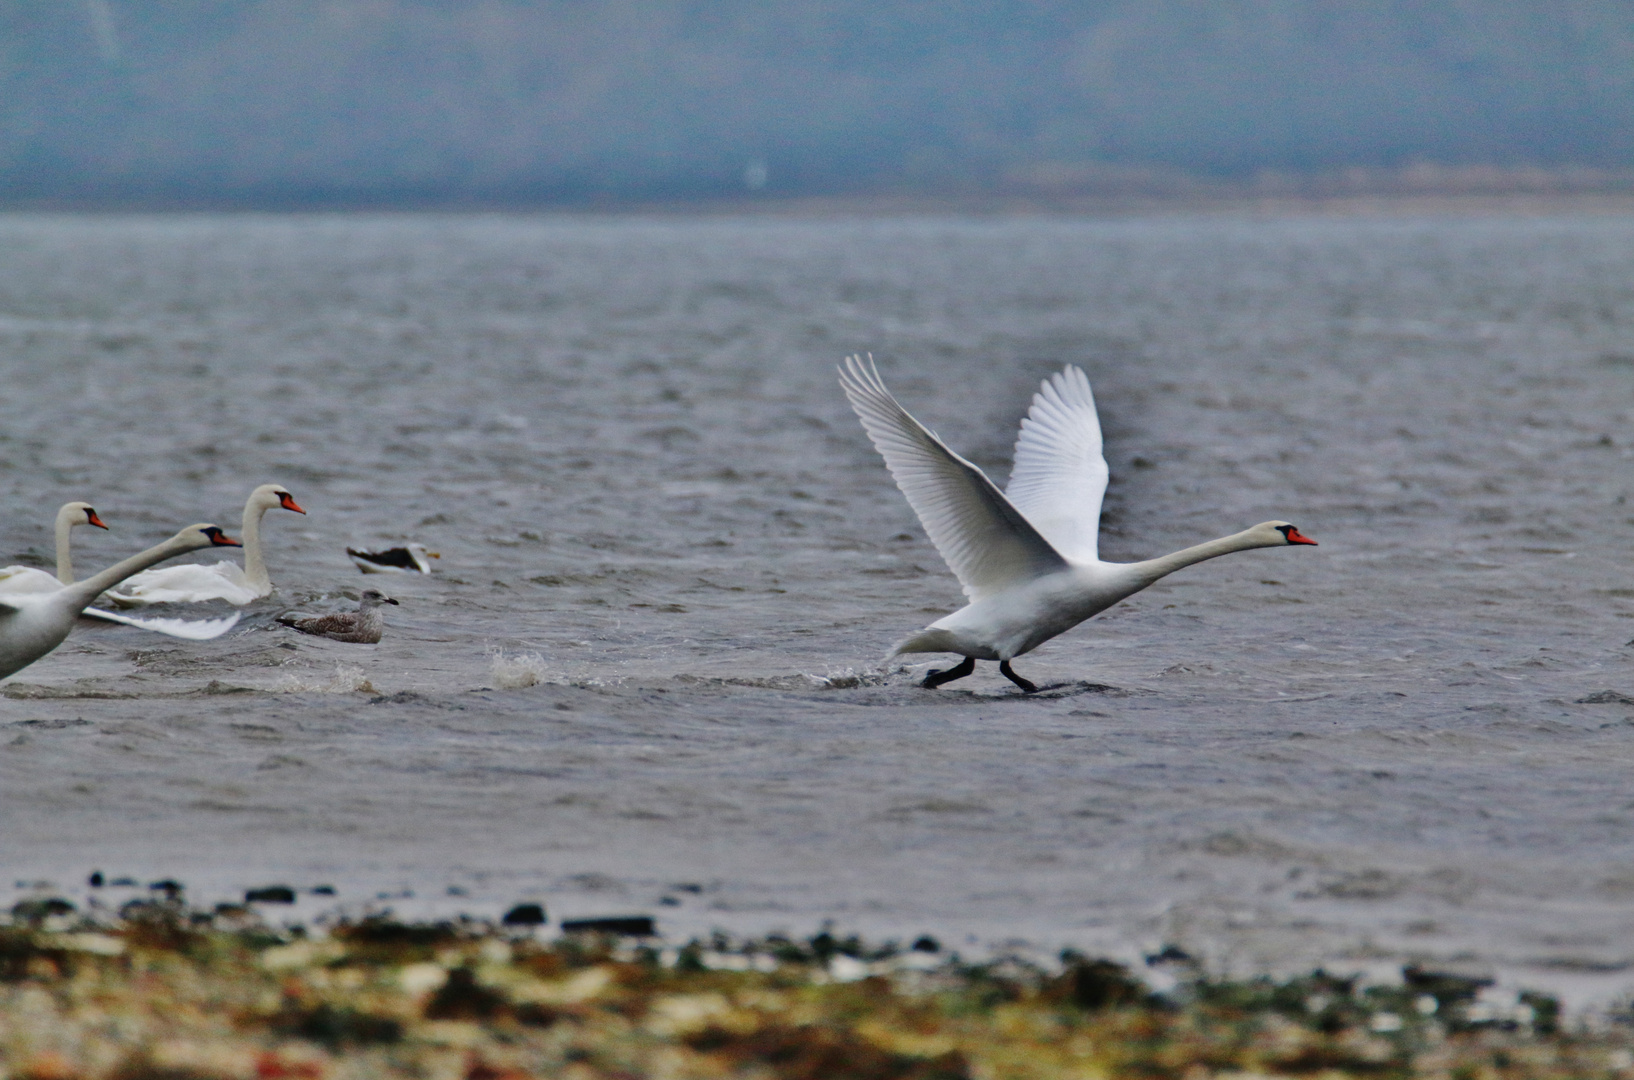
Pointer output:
x,y
626,440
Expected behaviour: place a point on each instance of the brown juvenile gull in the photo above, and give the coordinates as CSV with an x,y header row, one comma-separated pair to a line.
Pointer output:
x,y
363,626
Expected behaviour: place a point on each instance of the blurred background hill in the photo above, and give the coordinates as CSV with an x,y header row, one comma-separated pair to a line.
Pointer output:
x,y
451,102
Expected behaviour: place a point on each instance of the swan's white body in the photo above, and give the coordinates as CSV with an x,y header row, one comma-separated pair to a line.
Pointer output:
x,y
32,624
1027,558
28,579
196,583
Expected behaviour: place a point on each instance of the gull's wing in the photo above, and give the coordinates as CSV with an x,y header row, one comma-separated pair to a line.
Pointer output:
x,y
341,622
1059,476
191,629
984,540
390,561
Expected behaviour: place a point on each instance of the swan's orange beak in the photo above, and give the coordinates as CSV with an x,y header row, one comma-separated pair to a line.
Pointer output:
x,y
1297,537
287,501
92,519
221,539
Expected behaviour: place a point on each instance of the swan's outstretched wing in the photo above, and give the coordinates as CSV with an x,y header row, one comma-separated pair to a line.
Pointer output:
x,y
1059,477
191,629
986,543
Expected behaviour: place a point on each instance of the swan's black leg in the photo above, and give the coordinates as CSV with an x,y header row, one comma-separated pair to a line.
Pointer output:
x,y
934,679
1004,669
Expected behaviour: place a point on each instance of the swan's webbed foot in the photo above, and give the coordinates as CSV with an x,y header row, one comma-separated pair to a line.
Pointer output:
x,y
1004,669
933,679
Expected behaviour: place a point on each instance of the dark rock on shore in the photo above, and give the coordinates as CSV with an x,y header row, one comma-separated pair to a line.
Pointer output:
x,y
270,894
525,915
623,925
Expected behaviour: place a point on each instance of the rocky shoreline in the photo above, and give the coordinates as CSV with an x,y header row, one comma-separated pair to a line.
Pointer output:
x,y
160,990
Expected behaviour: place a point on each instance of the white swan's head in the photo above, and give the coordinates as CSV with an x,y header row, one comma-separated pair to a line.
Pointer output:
x,y
203,536
274,496
80,513
1278,534
369,598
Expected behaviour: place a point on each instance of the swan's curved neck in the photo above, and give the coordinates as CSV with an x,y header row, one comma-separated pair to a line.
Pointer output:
x,y
1153,569
83,592
65,560
254,568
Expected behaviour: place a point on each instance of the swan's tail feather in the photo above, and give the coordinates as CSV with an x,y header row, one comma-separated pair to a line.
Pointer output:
x,y
930,639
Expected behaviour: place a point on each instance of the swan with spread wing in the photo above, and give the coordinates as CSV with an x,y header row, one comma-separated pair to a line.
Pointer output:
x,y
1028,557
16,580
32,624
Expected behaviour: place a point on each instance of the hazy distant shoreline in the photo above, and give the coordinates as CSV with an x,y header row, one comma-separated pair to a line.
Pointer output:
x,y
1234,203
1532,193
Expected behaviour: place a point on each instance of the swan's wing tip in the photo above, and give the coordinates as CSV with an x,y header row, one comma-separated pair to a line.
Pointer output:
x,y
189,629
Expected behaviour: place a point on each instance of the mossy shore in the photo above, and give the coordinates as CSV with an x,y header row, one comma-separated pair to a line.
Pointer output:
x,y
167,993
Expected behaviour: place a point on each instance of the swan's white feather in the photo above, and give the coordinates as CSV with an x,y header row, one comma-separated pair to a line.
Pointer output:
x,y
191,629
1012,554
1060,474
987,543
27,579
238,585
190,583
32,624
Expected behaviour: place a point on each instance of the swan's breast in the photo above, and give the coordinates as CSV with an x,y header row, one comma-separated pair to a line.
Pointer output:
x,y
1055,604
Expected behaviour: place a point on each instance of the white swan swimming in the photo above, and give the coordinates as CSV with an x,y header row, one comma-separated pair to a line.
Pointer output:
x,y
27,579
32,624
227,581
1027,558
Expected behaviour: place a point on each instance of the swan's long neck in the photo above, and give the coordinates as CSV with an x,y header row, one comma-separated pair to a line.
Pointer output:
x,y
1153,569
82,593
254,568
65,528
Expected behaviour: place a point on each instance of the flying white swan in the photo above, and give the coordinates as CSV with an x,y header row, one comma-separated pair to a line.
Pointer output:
x,y
27,579
195,583
32,624
1027,558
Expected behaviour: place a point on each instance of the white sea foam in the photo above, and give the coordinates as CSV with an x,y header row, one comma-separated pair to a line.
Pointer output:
x,y
345,679
514,671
